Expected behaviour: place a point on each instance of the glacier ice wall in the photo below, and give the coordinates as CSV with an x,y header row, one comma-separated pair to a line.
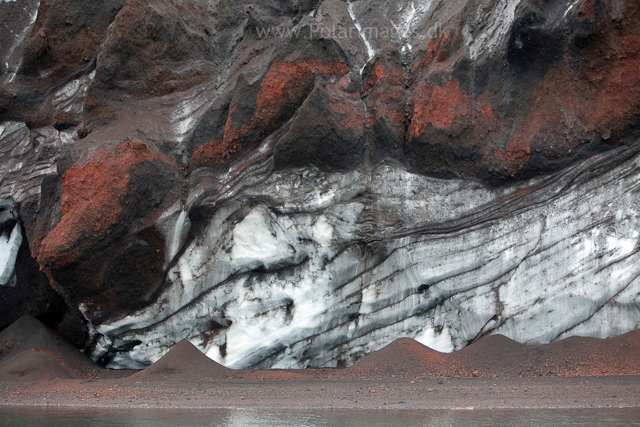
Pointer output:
x,y
273,199
313,269
10,242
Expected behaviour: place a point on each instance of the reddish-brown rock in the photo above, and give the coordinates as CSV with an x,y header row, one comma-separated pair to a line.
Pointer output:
x,y
108,214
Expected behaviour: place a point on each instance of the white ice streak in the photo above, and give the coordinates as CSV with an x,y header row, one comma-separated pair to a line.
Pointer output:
x,y
24,167
14,57
179,234
189,110
406,21
14,139
174,225
439,340
570,8
258,241
323,231
199,100
409,19
73,93
10,241
495,30
370,50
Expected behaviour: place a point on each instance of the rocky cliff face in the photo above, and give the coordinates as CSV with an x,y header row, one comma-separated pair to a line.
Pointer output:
x,y
298,183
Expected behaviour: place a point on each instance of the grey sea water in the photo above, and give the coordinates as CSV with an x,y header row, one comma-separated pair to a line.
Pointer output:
x,y
57,417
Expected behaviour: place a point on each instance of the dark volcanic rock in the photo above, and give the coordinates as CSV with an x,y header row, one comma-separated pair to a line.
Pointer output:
x,y
65,38
327,132
148,44
62,44
105,244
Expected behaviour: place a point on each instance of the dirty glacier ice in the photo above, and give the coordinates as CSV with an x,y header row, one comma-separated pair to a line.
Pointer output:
x,y
314,269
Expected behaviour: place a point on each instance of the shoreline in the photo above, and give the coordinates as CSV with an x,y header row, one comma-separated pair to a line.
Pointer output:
x,y
37,368
319,394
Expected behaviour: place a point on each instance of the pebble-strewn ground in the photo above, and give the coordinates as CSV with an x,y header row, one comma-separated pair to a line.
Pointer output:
x,y
445,393
493,373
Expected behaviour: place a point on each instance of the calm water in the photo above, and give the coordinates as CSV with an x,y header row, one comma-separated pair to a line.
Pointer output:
x,y
18,417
